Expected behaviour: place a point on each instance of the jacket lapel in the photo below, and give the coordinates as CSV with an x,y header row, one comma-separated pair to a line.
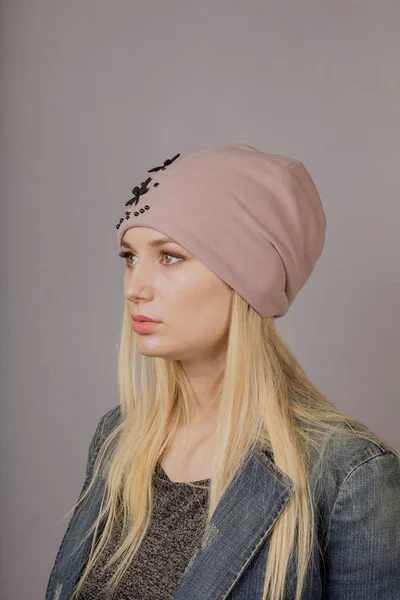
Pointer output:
x,y
241,523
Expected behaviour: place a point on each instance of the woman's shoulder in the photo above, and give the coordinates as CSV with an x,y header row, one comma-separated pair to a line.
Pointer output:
x,y
106,424
353,445
110,419
352,456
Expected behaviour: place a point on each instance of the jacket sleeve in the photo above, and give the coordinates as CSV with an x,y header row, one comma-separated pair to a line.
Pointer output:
x,y
362,559
94,447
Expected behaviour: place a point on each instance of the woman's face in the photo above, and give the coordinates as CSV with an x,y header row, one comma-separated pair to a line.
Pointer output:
x,y
191,301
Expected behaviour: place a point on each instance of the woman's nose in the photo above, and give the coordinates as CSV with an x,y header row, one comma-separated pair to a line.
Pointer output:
x,y
138,279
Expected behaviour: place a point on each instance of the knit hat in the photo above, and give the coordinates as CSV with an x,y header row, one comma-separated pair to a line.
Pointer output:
x,y
255,219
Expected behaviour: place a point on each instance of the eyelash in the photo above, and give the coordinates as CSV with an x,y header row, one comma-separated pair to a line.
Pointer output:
x,y
125,255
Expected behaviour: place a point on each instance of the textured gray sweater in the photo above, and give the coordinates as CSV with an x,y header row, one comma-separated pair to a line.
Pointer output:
x,y
175,530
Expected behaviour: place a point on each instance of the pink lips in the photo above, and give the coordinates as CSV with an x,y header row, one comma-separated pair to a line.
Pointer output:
x,y
143,324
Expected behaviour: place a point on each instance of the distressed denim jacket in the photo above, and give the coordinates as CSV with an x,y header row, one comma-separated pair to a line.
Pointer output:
x,y
358,530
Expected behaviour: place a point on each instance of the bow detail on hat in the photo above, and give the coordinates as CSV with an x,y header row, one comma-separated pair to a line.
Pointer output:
x,y
166,163
138,191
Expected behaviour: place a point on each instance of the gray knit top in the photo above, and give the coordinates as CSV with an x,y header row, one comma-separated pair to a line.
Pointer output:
x,y
175,530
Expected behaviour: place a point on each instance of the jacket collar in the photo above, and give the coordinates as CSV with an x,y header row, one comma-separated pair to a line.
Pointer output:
x,y
240,524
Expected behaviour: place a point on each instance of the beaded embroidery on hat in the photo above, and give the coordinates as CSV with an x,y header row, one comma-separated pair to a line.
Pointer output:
x,y
142,189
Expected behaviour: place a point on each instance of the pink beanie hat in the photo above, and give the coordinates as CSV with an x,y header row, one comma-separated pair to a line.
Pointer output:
x,y
255,219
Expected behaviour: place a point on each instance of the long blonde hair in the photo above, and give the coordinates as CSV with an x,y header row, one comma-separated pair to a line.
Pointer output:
x,y
263,395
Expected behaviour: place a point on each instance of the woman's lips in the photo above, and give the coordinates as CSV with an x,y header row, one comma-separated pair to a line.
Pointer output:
x,y
144,326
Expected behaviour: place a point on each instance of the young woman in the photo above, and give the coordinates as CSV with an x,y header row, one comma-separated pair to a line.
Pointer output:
x,y
224,473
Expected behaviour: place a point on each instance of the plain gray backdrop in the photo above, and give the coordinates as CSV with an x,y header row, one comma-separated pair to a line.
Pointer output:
x,y
95,93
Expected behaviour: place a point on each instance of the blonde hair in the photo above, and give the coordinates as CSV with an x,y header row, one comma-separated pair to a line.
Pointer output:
x,y
263,395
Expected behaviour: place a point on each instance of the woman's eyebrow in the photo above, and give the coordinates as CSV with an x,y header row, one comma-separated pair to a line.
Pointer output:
x,y
152,243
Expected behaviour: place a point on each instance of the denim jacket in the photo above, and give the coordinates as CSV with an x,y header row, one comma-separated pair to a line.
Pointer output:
x,y
357,542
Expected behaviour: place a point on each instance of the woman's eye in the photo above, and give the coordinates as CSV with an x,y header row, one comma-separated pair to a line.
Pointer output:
x,y
129,255
170,254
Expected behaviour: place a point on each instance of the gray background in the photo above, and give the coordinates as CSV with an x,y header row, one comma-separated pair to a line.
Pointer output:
x,y
94,93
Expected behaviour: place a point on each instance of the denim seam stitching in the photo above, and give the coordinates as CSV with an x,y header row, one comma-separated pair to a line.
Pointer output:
x,y
367,459
288,483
